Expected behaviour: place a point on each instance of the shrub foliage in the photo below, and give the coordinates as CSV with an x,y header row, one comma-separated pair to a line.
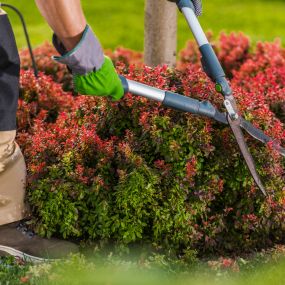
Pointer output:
x,y
134,172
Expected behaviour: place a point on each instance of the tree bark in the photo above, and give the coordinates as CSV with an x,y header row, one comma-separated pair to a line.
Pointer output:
x,y
160,33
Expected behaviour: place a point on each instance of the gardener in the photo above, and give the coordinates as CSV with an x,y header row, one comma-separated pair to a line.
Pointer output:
x,y
93,74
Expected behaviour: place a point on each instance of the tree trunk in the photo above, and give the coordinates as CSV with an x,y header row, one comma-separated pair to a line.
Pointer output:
x,y
160,33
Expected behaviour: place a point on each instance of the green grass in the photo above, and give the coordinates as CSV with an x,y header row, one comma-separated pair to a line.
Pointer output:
x,y
114,271
123,24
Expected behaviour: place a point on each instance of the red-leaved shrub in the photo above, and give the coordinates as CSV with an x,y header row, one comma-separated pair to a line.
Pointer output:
x,y
133,171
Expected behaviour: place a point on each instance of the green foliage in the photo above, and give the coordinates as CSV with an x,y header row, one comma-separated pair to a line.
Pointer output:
x,y
263,268
12,270
133,172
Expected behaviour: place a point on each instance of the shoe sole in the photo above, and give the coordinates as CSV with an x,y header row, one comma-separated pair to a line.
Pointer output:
x,y
24,256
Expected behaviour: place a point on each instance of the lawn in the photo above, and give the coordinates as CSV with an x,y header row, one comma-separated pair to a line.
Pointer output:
x,y
263,269
122,25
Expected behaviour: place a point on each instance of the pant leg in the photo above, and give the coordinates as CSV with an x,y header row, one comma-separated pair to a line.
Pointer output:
x,y
12,164
9,75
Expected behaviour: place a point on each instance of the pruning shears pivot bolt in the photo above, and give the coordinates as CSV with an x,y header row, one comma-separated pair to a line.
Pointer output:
x,y
230,110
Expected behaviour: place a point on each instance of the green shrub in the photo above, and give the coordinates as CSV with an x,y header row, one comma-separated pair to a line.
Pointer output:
x,y
133,172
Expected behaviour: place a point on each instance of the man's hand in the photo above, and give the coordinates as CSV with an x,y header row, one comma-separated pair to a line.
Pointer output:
x,y
104,82
93,73
197,5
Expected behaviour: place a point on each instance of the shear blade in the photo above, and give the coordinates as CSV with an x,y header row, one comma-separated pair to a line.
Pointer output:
x,y
252,131
259,135
235,126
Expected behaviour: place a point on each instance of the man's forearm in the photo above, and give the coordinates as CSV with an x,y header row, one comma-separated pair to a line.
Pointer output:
x,y
66,18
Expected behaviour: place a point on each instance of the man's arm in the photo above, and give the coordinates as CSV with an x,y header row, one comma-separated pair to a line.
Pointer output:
x,y
80,50
66,19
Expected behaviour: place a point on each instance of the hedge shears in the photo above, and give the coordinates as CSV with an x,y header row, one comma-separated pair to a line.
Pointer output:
x,y
214,70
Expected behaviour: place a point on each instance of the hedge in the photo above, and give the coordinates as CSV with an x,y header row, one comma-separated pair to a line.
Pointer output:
x,y
134,172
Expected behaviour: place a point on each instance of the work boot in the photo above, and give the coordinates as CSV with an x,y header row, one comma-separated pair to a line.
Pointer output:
x,y
18,241
15,238
12,179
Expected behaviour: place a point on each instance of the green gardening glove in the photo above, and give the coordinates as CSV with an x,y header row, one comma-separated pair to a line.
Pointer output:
x,y
103,82
93,73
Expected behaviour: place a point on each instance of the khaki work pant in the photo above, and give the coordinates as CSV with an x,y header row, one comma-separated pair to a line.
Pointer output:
x,y
12,179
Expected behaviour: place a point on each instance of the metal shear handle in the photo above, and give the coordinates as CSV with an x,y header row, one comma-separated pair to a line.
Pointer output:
x,y
214,70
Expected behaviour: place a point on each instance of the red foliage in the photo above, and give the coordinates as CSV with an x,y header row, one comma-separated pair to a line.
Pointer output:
x,y
96,144
42,98
233,51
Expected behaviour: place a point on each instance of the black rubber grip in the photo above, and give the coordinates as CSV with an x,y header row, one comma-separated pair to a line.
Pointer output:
x,y
211,63
187,104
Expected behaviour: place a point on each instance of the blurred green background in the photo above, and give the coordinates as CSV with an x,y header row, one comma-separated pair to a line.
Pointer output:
x,y
119,24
